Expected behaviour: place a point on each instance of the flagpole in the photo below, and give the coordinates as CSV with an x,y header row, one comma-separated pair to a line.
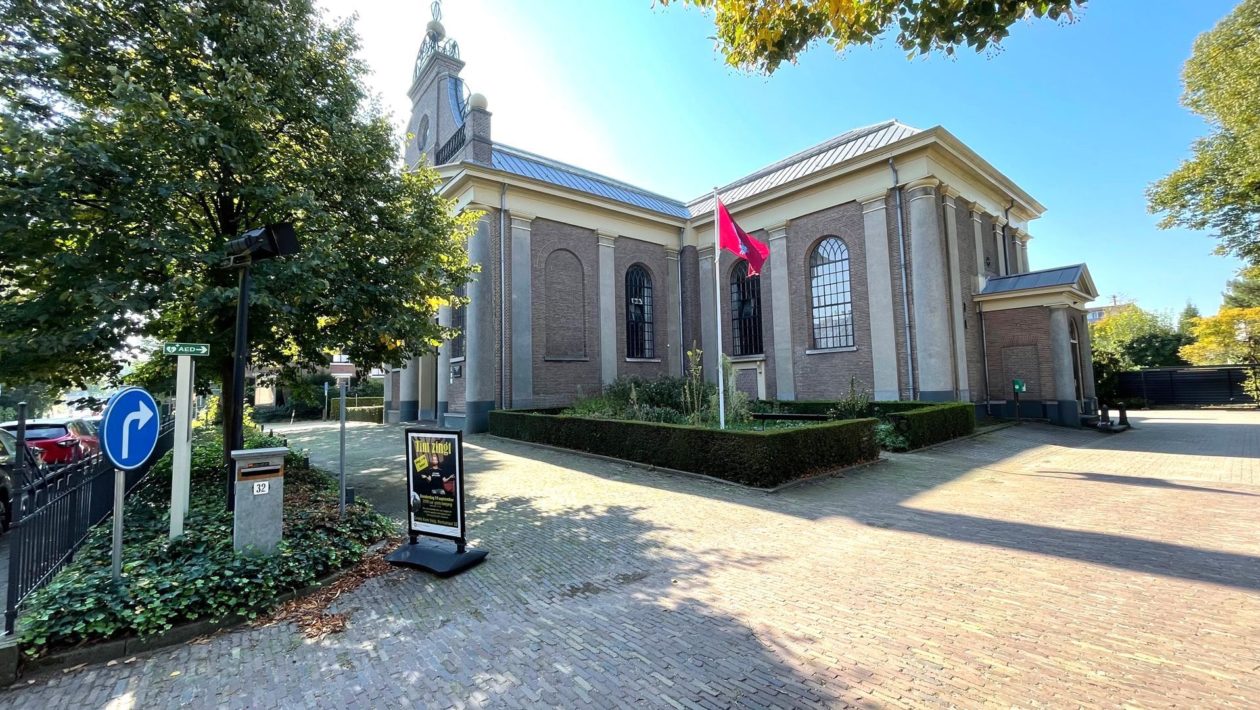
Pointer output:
x,y
717,307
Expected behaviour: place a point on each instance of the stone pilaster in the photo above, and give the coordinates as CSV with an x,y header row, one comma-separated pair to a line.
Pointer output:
x,y
522,317
673,319
427,386
444,369
1067,411
879,286
962,390
479,365
607,308
708,321
999,244
930,294
781,314
981,278
409,391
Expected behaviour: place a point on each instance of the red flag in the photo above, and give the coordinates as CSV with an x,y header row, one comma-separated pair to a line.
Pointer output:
x,y
735,240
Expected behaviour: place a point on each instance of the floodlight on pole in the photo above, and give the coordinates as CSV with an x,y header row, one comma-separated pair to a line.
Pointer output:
x,y
258,244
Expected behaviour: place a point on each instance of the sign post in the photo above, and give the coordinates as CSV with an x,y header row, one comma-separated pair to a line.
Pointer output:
x,y
435,492
181,461
1019,387
342,370
128,434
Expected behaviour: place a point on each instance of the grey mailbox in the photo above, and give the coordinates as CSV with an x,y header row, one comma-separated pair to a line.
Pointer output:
x,y
259,481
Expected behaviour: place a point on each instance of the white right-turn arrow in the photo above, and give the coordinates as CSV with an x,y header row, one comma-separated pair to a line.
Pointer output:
x,y
141,416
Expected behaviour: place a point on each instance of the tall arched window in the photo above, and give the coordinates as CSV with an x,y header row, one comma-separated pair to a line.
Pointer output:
x,y
832,306
745,311
639,335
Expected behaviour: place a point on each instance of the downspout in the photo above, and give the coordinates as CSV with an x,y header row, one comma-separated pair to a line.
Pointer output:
x,y
905,289
503,392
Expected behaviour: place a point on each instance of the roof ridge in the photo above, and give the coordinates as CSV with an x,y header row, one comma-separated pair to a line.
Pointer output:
x,y
587,173
847,137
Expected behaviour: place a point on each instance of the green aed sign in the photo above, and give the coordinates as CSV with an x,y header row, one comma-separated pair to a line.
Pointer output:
x,y
1019,385
194,349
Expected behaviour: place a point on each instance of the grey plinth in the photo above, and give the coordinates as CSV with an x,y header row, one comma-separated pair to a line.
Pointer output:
x,y
258,520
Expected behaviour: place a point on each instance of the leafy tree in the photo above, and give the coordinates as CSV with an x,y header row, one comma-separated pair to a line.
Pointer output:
x,y
1131,338
1185,322
761,34
38,396
139,136
1244,291
1218,188
1231,337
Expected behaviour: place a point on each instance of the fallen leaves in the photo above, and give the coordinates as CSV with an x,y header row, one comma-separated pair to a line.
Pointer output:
x,y
310,612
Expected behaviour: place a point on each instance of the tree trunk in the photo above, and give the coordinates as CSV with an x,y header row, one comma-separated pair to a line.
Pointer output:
x,y
229,402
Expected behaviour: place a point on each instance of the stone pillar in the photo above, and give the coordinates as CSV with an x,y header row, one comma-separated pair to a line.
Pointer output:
x,y
962,389
443,369
999,241
1086,346
389,405
673,319
879,288
1065,409
930,294
781,314
708,307
479,365
978,238
1021,251
427,399
607,308
522,309
409,391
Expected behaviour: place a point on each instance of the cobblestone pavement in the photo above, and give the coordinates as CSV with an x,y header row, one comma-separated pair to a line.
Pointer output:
x,y
1032,566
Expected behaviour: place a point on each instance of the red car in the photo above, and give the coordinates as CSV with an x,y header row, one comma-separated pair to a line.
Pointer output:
x,y
61,441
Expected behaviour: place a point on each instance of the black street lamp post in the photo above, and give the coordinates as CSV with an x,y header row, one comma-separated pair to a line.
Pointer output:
x,y
255,245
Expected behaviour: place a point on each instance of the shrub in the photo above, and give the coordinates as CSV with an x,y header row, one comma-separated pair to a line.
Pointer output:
x,y
375,415
888,438
934,423
198,575
854,404
756,458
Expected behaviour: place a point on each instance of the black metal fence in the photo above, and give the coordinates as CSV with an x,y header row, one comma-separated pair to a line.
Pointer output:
x,y
1188,386
54,509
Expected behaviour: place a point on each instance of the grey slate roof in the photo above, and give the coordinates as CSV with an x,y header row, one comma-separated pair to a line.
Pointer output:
x,y
824,155
1061,276
820,157
519,162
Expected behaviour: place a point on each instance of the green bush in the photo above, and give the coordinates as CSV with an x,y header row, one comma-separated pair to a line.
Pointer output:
x,y
334,405
755,458
198,575
934,423
375,415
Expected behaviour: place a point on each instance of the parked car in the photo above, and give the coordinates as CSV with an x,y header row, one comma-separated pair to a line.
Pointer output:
x,y
9,475
60,440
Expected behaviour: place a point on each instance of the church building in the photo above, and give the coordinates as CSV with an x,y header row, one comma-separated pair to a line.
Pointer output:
x,y
899,259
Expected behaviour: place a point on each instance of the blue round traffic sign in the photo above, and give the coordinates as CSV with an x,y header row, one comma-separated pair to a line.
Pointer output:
x,y
129,428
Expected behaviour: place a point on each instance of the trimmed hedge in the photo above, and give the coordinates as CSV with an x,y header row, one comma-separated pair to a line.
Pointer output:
x,y
352,403
374,415
753,458
824,406
935,423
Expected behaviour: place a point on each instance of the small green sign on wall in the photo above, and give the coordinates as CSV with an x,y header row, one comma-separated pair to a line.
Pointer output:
x,y
1019,386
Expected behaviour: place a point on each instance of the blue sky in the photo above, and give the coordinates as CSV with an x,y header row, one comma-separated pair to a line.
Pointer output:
x,y
1082,116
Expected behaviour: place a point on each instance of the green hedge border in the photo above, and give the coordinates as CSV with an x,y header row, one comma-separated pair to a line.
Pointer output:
x,y
935,423
375,415
763,459
823,406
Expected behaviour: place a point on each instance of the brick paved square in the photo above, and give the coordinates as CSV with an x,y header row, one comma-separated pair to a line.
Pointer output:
x,y
1033,566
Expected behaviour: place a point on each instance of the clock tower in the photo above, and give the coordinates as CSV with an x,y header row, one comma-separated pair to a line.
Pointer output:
x,y
447,124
